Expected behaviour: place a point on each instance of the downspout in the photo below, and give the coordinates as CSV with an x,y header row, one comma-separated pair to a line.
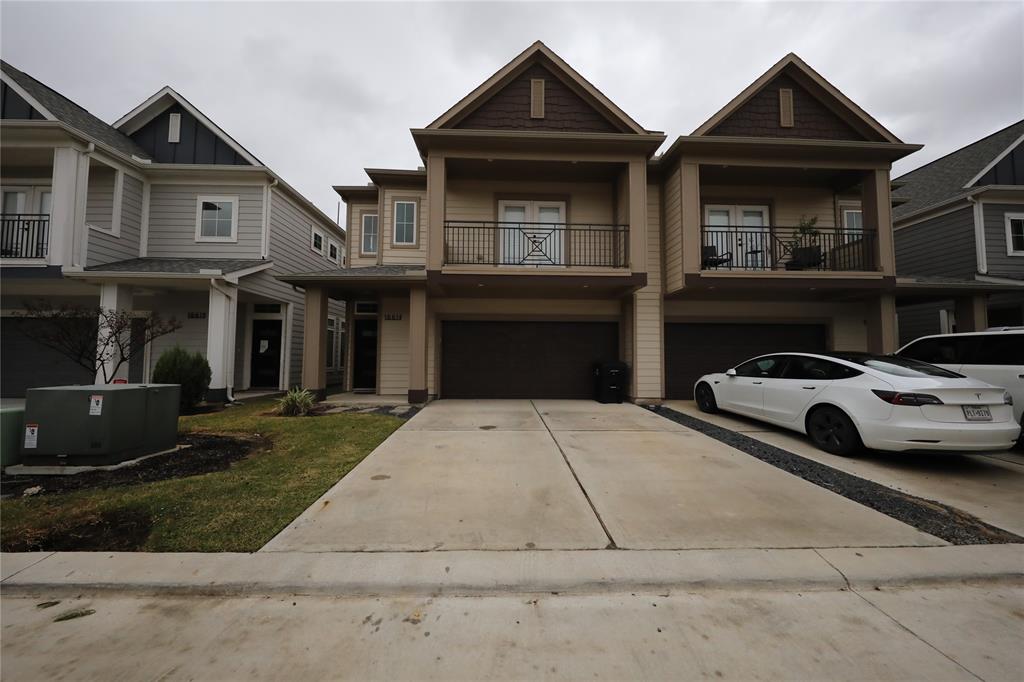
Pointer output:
x,y
265,247
981,256
83,244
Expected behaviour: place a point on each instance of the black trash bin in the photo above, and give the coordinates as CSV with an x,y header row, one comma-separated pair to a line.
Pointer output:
x,y
610,381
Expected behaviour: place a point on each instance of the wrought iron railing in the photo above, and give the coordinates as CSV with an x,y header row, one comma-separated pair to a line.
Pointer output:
x,y
480,242
735,247
24,235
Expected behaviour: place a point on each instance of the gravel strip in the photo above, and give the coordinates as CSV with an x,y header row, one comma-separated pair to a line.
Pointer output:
x,y
942,521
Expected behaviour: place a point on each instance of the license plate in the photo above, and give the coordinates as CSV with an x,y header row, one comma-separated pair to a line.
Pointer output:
x,y
977,413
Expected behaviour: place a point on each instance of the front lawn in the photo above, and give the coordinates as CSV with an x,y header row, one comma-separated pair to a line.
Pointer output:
x,y
235,510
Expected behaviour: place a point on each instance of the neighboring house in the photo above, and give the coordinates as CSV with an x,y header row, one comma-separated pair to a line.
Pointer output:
x,y
161,211
962,217
542,235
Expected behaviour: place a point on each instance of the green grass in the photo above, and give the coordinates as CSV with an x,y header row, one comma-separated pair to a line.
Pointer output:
x,y
237,510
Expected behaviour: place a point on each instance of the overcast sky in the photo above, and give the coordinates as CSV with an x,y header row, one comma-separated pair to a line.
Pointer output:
x,y
320,91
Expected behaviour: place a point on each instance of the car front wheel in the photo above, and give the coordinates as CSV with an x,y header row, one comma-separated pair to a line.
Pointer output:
x,y
832,431
705,398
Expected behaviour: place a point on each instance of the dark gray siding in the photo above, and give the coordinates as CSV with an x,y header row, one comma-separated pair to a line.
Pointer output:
x,y
999,263
920,320
14,106
105,247
1009,170
940,246
197,143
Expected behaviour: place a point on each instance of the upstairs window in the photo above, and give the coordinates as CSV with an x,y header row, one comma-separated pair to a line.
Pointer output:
x,y
1015,234
368,244
316,240
405,223
333,251
217,219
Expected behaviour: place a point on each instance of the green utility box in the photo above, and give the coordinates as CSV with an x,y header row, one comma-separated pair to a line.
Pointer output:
x,y
99,424
11,419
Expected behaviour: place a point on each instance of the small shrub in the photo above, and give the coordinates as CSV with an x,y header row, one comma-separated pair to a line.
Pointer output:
x,y
297,402
191,370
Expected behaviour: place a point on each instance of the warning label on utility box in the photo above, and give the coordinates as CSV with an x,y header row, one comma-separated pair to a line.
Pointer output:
x,y
95,405
31,435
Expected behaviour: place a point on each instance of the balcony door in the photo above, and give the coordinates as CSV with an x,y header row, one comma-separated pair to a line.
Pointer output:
x,y
531,233
740,231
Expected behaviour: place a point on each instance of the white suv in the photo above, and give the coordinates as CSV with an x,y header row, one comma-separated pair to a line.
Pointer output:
x,y
995,356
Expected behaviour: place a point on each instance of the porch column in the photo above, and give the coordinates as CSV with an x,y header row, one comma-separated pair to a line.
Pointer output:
x,y
876,212
220,341
881,324
691,217
638,216
971,313
69,186
314,344
117,297
436,177
417,345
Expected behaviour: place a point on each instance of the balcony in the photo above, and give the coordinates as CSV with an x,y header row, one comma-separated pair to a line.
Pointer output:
x,y
536,245
24,235
767,248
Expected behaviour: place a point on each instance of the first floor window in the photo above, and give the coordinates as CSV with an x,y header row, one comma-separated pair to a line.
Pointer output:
x,y
405,222
332,342
218,218
1015,234
369,243
316,240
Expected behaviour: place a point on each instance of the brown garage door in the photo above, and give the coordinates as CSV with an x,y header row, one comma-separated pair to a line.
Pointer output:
x,y
695,349
523,359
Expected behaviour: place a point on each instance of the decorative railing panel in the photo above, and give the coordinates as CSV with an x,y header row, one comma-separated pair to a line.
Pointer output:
x,y
474,242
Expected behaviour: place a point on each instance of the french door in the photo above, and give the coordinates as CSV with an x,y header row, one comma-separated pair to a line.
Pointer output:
x,y
531,233
740,231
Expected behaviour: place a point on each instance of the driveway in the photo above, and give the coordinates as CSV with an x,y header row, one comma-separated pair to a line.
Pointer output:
x,y
991,487
560,474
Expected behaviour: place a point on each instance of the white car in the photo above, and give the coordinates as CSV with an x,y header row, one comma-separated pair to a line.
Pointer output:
x,y
847,401
995,356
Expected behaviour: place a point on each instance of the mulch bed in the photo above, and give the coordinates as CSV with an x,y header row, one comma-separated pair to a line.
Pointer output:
x,y
123,530
207,453
942,521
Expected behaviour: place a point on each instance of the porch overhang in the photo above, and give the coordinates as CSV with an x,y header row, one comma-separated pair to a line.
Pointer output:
x,y
178,273
768,151
349,282
494,284
812,284
924,289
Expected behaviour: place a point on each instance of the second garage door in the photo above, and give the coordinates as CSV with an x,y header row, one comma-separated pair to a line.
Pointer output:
x,y
523,359
695,349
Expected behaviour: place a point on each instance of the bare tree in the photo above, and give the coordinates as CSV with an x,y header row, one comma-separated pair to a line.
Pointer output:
x,y
99,339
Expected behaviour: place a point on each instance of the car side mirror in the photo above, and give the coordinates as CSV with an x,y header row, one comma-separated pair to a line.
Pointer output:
x,y
730,372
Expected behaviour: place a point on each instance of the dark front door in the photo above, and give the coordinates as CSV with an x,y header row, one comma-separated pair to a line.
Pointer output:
x,y
266,354
364,374
524,359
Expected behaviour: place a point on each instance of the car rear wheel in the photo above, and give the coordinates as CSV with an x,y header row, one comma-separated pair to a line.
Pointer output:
x,y
834,432
705,398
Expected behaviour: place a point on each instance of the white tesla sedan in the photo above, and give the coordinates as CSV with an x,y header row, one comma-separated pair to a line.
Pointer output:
x,y
847,401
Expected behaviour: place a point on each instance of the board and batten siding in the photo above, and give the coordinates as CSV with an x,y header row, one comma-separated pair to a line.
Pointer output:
x,y
172,222
105,247
943,245
402,255
393,377
1000,264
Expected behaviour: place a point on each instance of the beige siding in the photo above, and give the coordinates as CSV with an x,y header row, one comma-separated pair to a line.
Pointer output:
x,y
433,347
393,376
672,232
355,233
172,222
647,321
393,255
525,309
788,204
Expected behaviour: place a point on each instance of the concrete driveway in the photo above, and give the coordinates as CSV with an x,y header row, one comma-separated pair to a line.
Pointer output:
x,y
554,474
991,487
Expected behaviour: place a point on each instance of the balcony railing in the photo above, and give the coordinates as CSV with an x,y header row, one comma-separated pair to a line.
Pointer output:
x,y
24,235
735,247
478,242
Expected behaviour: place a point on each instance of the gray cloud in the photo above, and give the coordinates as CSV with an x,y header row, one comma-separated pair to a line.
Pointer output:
x,y
319,91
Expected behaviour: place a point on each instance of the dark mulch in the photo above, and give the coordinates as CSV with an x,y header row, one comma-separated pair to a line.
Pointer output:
x,y
122,530
929,516
206,453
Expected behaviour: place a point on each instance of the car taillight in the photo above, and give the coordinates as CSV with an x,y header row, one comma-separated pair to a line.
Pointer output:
x,y
1007,399
914,399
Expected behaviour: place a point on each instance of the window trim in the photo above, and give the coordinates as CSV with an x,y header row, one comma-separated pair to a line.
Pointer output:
x,y
233,200
331,363
415,243
313,232
337,251
1007,218
362,234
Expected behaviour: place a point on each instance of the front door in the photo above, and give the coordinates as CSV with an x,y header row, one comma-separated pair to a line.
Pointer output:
x,y
266,354
364,350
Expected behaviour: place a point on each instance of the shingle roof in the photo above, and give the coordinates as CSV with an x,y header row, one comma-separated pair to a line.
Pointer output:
x,y
185,266
945,178
73,115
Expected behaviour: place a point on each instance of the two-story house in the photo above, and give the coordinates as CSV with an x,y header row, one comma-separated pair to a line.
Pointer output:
x,y
962,217
162,212
543,235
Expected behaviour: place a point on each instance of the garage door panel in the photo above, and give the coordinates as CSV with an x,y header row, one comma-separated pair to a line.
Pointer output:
x,y
695,349
26,363
523,359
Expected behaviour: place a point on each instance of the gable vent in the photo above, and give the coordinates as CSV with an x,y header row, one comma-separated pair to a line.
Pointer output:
x,y
786,107
174,128
536,98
